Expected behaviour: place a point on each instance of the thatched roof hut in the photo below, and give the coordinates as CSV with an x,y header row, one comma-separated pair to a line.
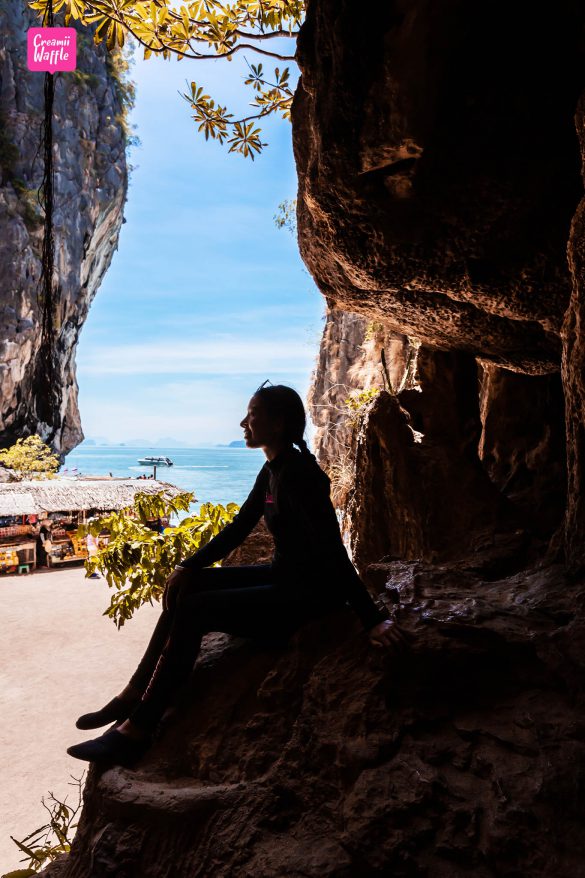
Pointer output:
x,y
64,495
16,502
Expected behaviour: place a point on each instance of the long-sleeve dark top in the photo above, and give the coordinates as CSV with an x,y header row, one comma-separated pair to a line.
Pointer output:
x,y
293,494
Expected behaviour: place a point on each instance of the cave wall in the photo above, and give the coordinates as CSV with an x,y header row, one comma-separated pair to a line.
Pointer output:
x,y
523,445
90,190
420,490
439,173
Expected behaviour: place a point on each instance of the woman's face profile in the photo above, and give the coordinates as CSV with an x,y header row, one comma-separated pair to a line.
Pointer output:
x,y
260,429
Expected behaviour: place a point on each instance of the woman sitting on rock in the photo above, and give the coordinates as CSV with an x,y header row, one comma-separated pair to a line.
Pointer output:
x,y
309,576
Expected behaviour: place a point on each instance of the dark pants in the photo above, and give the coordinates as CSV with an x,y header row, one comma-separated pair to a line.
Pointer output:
x,y
248,601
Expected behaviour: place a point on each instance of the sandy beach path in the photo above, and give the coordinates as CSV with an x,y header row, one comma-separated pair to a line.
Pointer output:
x,y
59,657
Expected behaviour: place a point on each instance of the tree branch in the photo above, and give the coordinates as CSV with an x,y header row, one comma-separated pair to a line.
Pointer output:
x,y
270,36
259,115
199,56
243,46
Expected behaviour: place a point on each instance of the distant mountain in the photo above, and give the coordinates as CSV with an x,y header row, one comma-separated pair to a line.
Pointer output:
x,y
140,442
237,443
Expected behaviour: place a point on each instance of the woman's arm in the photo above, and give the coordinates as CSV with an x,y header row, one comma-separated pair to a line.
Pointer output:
x,y
234,533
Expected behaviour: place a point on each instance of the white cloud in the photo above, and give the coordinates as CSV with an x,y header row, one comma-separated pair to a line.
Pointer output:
x,y
222,355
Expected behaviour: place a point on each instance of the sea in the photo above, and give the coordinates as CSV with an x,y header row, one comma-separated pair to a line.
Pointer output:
x,y
214,475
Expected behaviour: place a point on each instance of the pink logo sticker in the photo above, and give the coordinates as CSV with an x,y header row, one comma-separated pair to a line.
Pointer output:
x,y
51,48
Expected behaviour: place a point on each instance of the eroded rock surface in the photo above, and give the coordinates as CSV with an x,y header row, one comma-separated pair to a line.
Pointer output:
x,y
420,491
90,191
439,170
523,444
461,757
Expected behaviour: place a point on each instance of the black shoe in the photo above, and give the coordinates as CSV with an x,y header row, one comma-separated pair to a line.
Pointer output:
x,y
117,709
112,746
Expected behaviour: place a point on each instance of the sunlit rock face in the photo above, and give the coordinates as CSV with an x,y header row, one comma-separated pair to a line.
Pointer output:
x,y
90,190
439,170
355,355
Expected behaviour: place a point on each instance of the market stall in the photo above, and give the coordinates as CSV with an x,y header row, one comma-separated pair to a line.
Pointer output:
x,y
64,545
39,519
18,533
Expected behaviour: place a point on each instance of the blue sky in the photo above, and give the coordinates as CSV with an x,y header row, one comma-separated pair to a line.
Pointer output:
x,y
205,297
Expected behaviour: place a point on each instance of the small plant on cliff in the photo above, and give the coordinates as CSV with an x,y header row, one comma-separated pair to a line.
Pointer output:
x,y
200,30
52,839
31,458
286,216
119,63
356,402
137,560
9,153
373,328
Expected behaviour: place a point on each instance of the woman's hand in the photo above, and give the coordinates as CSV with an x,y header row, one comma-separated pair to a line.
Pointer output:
x,y
388,635
173,586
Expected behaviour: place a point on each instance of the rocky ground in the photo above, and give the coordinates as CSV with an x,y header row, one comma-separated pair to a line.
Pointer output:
x,y
462,756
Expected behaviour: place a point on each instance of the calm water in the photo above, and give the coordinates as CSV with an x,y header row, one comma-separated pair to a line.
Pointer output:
x,y
216,475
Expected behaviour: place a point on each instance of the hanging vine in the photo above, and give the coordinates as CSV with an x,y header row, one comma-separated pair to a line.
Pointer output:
x,y
45,383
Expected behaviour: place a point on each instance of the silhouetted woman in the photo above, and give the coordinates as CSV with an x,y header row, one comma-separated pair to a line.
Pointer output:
x,y
309,576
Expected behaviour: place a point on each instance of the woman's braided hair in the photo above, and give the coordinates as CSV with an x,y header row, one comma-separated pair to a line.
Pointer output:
x,y
282,401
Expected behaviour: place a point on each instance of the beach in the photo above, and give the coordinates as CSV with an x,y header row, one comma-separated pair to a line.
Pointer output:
x,y
59,657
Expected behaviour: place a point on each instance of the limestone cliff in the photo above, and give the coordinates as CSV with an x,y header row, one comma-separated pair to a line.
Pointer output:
x,y
90,191
356,356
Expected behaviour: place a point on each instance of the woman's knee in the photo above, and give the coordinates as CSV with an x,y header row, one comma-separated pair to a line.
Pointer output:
x,y
188,583
189,595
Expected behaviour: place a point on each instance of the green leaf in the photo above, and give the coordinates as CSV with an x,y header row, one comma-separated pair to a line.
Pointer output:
x,y
20,873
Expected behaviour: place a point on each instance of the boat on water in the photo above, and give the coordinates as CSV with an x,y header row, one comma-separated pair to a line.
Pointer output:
x,y
155,461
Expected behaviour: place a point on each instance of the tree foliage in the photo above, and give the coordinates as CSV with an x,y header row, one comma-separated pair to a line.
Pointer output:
x,y
137,560
30,457
202,30
52,839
